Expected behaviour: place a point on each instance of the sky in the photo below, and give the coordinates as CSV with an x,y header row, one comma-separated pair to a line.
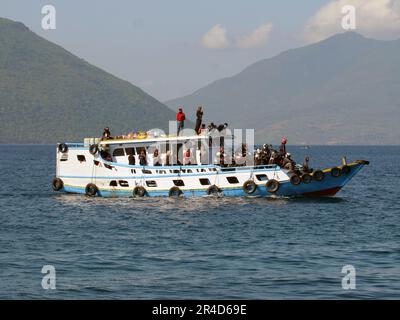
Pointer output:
x,y
172,48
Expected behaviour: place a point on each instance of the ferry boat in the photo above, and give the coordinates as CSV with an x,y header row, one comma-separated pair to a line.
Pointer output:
x,y
112,168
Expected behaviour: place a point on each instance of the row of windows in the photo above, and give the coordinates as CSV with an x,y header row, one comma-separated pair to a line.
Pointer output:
x,y
181,183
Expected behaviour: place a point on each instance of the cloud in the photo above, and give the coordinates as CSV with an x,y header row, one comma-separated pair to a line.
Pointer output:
x,y
215,38
257,38
374,18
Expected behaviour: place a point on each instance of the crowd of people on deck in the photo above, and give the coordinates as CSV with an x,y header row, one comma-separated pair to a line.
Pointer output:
x,y
264,156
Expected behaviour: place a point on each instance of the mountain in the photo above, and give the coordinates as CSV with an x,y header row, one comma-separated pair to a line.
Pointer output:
x,y
343,90
47,94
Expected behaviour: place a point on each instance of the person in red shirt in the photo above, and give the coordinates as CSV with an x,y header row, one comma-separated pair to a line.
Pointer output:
x,y
180,118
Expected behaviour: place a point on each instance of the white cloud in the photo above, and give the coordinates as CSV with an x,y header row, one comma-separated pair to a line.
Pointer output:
x,y
257,38
215,38
374,18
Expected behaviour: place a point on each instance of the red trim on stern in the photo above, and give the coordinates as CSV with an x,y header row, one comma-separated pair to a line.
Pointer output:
x,y
323,193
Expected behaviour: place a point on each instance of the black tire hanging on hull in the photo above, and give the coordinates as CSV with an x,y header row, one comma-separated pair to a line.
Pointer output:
x,y
62,147
57,184
346,169
295,180
139,192
93,149
249,187
91,190
336,172
306,178
213,190
175,192
272,186
318,175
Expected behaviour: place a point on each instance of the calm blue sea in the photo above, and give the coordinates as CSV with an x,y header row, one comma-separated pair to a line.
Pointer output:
x,y
200,248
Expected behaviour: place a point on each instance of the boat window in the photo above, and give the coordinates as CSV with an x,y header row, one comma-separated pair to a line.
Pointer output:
x,y
179,183
189,171
146,171
123,183
205,182
108,166
118,152
261,177
113,183
176,171
81,158
96,163
151,183
232,180
130,151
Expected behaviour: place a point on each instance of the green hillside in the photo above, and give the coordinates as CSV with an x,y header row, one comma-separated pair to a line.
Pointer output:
x,y
49,95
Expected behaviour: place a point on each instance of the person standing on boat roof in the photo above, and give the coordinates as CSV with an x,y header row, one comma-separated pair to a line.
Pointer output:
x,y
106,133
199,119
180,118
282,148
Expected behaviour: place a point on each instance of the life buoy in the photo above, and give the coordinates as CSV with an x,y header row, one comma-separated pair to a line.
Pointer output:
x,y
295,180
249,187
213,190
335,172
58,184
174,192
91,190
93,149
346,169
306,178
272,185
318,175
62,147
139,192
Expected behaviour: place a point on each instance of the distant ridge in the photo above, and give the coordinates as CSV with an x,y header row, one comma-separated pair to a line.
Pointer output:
x,y
49,95
343,90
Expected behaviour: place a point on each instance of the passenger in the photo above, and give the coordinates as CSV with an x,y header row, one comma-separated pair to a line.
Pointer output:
x,y
131,159
282,148
288,162
180,118
156,158
203,130
187,158
142,158
220,157
106,134
212,127
199,119
306,165
222,127
167,161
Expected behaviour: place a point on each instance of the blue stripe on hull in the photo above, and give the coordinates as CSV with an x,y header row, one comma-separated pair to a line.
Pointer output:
x,y
285,190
